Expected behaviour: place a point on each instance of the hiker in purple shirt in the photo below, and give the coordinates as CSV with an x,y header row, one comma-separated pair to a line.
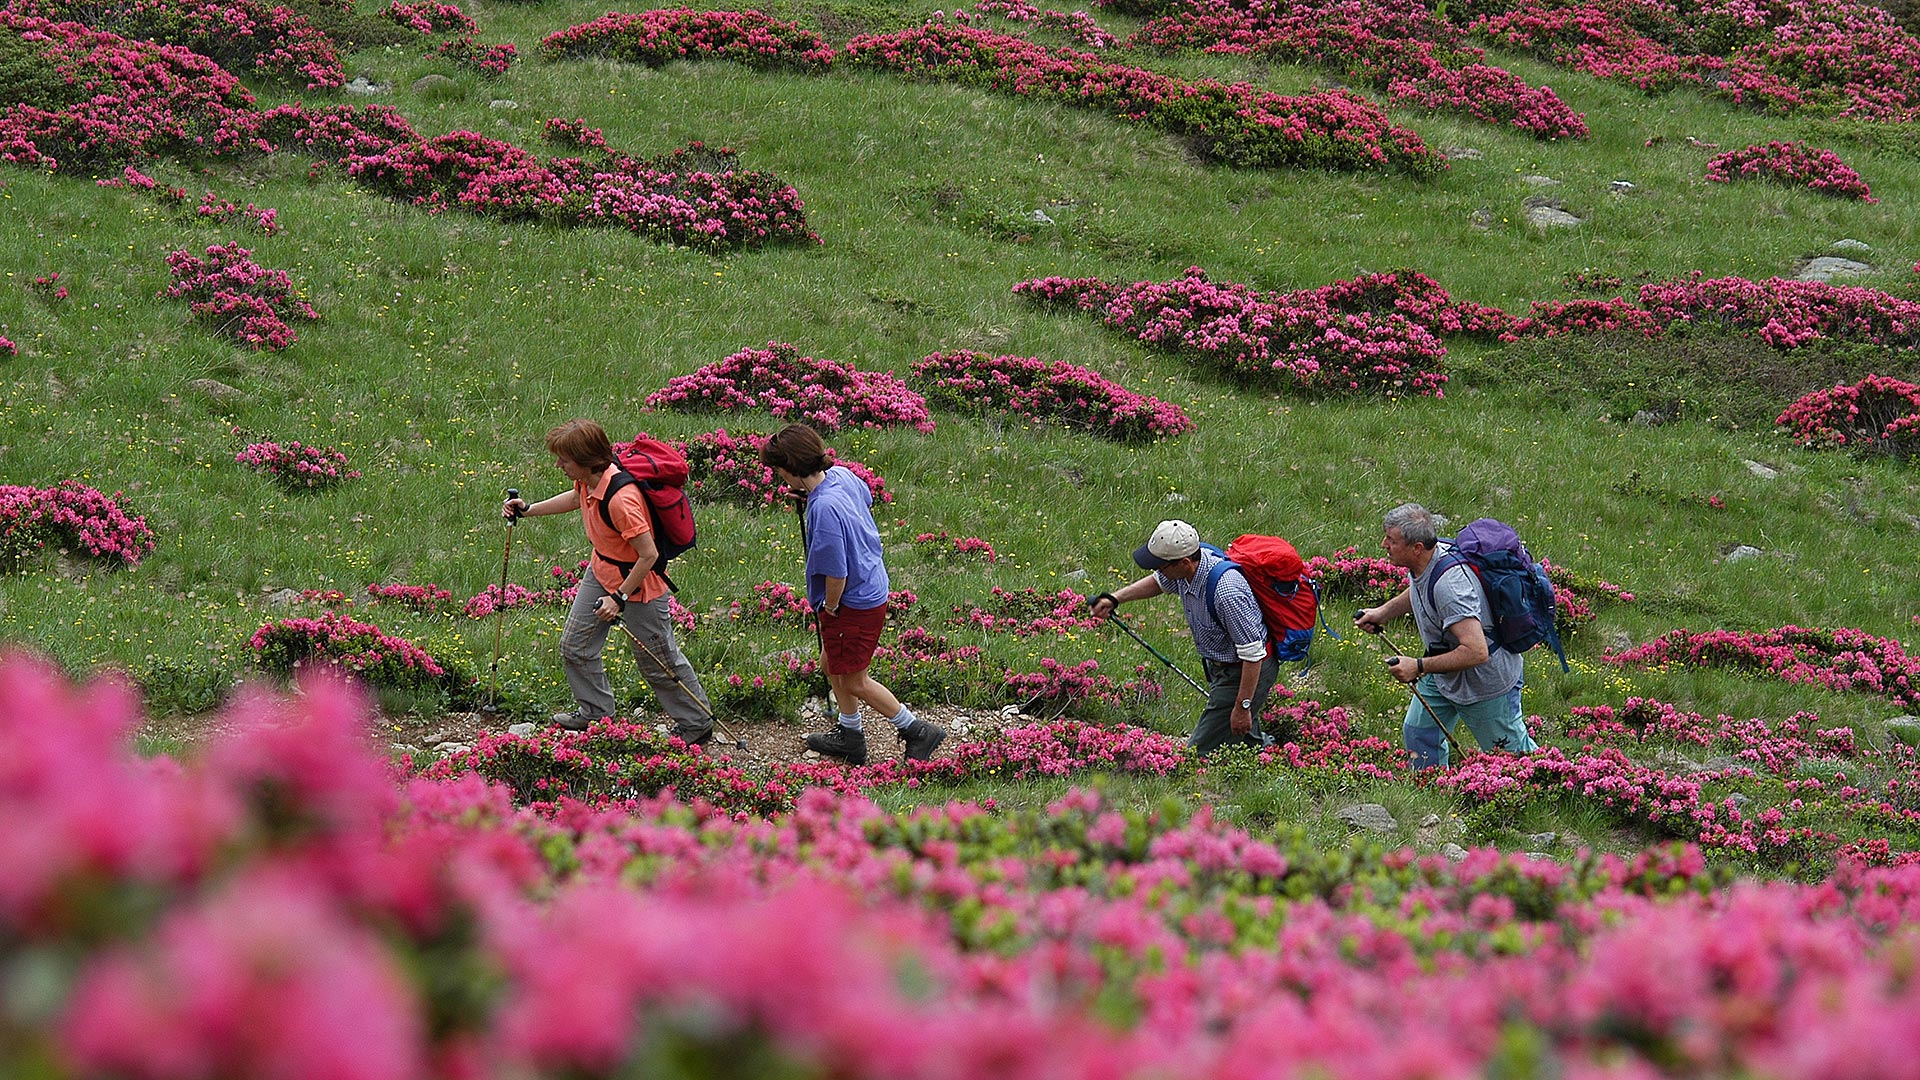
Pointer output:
x,y
847,586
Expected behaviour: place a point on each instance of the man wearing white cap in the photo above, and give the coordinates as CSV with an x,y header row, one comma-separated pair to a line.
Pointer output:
x,y
1233,647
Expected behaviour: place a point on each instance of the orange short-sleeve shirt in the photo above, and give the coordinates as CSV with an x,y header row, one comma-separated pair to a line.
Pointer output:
x,y
629,513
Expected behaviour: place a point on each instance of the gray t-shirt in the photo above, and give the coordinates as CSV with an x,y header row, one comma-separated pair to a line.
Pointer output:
x,y
1457,595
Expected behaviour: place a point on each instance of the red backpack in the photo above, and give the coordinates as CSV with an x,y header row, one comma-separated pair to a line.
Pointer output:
x,y
1289,601
660,470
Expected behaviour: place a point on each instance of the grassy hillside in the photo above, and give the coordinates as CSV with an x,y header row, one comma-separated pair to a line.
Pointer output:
x,y
448,343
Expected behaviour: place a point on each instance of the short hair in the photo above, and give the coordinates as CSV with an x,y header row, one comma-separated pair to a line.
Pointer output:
x,y
796,448
582,442
1415,524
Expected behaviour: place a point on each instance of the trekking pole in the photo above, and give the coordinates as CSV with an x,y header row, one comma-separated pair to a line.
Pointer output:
x,y
663,666
1114,617
1458,753
499,611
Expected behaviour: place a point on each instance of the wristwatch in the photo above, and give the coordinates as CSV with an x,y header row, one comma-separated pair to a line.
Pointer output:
x,y
1419,665
1247,704
621,597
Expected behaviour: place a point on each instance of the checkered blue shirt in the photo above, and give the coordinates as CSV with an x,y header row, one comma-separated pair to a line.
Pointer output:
x,y
1240,620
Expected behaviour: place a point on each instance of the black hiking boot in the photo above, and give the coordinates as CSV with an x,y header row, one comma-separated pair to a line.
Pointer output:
x,y
573,721
693,736
922,739
841,742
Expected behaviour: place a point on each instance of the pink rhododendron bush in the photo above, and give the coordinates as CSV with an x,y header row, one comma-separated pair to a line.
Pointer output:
x,y
1838,659
1792,164
1238,124
828,394
1825,57
70,517
270,39
1876,414
1058,392
659,36
284,905
237,298
727,466
1400,48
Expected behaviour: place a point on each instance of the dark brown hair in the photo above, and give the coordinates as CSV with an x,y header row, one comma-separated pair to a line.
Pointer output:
x,y
582,442
796,448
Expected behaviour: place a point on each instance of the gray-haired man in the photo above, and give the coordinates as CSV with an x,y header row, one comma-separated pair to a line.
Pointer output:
x,y
1233,648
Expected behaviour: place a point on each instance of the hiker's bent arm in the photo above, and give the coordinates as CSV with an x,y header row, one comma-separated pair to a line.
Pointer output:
x,y
1395,608
835,587
1471,652
1144,589
559,504
645,554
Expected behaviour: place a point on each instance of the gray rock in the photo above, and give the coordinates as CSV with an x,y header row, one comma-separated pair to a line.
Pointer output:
x,y
362,85
1906,729
1764,472
1739,798
1647,418
437,737
503,104
1851,247
522,730
1462,153
1453,852
1539,181
1542,840
448,748
427,83
216,391
1828,267
283,598
1430,821
1039,217
1010,712
1719,763
1076,575
1743,553
1539,856
1176,497
1619,641
1552,217
1621,187
1481,219
406,748
1370,816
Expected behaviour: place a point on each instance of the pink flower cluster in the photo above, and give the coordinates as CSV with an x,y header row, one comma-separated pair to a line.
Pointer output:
x,y
1878,413
71,516
48,287
565,585
272,39
210,207
1786,313
663,35
774,603
1026,612
1793,164
298,465
430,17
240,299
130,99
1238,124
1791,56
1841,659
335,640
941,545
1349,573
1076,25
8,348
425,599
827,394
1398,47
1377,333
728,467
1065,685
492,61
1056,391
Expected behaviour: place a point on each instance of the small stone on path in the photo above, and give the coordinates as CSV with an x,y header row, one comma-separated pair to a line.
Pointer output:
x,y
522,730
1370,816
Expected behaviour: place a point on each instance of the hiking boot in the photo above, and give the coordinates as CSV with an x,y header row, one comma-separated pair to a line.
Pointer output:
x,y
693,736
573,721
841,742
922,739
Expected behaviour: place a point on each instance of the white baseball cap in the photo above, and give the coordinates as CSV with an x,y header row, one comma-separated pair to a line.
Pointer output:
x,y
1171,540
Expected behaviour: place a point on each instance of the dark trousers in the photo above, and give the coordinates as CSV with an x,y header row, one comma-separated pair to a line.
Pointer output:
x,y
1215,728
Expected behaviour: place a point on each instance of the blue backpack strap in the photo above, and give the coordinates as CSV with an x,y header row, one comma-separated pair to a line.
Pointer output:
x,y
1214,575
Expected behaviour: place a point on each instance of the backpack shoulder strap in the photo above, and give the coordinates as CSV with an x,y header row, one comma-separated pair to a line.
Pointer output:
x,y
1214,574
1447,562
621,478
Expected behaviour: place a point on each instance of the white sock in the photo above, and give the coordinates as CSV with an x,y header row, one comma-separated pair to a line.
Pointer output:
x,y
850,721
905,719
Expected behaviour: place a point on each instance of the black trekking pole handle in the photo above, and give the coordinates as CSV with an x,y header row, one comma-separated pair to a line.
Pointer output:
x,y
1114,617
1381,633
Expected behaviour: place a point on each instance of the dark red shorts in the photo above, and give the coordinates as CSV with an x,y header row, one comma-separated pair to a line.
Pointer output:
x,y
849,638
